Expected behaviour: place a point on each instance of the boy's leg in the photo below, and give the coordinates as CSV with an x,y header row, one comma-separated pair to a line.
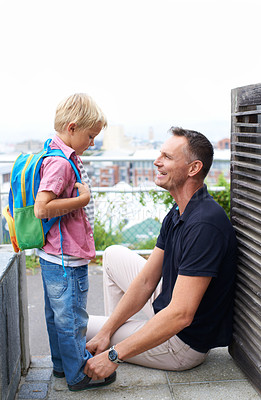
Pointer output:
x,y
120,267
68,300
52,333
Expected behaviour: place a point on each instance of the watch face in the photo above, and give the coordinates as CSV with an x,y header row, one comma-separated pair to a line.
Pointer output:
x,y
113,355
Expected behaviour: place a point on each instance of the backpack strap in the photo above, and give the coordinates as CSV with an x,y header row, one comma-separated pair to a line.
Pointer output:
x,y
48,224
60,153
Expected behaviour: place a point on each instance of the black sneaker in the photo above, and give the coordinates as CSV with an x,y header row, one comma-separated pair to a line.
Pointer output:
x,y
88,383
58,374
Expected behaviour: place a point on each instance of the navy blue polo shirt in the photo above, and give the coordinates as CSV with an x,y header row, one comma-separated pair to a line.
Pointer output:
x,y
201,242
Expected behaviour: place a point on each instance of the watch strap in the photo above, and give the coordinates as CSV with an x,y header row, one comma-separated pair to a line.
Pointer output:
x,y
117,360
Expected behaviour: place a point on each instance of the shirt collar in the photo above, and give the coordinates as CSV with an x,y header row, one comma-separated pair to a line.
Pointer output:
x,y
197,197
68,151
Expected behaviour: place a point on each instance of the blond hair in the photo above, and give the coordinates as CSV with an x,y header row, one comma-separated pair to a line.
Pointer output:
x,y
80,109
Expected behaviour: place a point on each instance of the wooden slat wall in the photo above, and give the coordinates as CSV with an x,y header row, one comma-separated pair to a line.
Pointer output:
x,y
246,218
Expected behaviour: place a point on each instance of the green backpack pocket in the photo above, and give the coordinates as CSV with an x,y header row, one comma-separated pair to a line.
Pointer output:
x,y
30,233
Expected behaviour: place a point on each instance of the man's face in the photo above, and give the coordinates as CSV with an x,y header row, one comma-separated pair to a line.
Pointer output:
x,y
172,164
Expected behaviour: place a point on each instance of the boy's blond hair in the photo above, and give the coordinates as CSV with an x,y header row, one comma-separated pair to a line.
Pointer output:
x,y
80,109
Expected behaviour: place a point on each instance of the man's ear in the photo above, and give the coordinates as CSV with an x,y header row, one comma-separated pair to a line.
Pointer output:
x,y
71,127
195,167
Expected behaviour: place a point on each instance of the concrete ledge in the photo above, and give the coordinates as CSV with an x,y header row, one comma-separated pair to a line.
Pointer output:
x,y
14,355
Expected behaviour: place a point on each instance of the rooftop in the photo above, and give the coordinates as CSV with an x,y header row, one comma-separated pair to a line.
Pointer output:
x,y
217,379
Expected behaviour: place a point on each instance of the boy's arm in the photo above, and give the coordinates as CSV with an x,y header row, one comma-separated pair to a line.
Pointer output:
x,y
48,206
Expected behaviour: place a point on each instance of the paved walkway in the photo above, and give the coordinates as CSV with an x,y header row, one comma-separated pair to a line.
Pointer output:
x,y
217,379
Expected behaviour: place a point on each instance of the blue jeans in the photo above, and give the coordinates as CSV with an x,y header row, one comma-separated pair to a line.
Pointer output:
x,y
66,317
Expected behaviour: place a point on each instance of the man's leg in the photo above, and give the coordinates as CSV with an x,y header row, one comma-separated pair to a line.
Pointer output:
x,y
120,267
172,355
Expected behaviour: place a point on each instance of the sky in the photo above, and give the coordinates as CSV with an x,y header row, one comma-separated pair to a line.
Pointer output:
x,y
147,63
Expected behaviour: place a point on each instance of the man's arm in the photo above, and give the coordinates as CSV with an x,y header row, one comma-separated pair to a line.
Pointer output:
x,y
48,206
187,294
132,301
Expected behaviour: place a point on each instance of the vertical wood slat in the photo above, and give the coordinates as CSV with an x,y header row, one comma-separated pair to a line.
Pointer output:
x,y
245,217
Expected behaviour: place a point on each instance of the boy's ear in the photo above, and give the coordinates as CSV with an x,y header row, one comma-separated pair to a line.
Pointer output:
x,y
71,127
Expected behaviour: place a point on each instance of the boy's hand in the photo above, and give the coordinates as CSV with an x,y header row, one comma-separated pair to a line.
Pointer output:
x,y
84,192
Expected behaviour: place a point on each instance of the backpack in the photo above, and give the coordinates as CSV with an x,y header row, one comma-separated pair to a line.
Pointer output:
x,y
25,230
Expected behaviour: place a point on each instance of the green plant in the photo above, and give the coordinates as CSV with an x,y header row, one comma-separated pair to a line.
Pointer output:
x,y
222,181
223,199
105,237
32,262
145,244
109,222
158,197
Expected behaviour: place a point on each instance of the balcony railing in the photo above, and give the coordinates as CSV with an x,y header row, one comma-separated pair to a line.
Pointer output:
x,y
126,213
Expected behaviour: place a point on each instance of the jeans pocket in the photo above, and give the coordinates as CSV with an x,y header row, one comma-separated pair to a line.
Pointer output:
x,y
83,285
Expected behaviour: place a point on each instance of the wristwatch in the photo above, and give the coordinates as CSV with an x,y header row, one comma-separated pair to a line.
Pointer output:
x,y
113,356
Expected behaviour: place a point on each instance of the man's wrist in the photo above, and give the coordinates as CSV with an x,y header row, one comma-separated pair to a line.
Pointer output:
x,y
113,356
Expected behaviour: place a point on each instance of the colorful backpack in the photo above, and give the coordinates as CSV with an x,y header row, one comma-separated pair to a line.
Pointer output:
x,y
25,230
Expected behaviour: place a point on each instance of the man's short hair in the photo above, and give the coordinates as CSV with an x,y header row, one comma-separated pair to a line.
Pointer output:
x,y
81,109
199,147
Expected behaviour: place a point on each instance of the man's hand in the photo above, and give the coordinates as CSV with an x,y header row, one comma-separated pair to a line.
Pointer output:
x,y
99,367
98,344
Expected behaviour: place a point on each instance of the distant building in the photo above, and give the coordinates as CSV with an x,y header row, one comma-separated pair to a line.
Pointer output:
x,y
221,165
5,174
109,176
223,144
143,172
29,146
115,139
151,135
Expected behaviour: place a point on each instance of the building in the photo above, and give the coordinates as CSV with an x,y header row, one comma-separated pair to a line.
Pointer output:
x,y
29,146
221,165
5,173
115,139
109,176
223,144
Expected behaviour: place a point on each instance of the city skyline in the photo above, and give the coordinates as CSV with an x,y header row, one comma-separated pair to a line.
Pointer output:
x,y
146,63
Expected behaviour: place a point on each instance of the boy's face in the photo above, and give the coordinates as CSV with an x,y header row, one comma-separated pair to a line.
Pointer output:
x,y
82,139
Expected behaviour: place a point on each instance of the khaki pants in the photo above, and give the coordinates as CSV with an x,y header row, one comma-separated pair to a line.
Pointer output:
x,y
120,267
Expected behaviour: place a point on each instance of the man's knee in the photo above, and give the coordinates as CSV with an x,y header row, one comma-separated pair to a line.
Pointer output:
x,y
112,253
113,249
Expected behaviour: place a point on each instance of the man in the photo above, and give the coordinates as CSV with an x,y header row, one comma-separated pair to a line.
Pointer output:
x,y
186,286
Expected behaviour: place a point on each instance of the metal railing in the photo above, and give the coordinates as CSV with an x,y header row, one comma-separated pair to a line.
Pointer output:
x,y
125,214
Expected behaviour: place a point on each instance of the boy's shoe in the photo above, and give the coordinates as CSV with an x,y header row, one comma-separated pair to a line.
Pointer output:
x,y
88,383
58,374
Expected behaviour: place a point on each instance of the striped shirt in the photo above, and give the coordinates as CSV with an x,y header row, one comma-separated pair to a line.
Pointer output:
x,y
89,209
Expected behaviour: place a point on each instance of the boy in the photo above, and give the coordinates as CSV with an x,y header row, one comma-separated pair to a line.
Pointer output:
x,y
78,121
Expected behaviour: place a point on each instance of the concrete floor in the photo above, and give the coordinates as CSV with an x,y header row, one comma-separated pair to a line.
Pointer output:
x,y
217,379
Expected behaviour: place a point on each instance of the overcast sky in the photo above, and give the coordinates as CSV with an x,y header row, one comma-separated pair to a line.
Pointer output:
x,y
147,63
